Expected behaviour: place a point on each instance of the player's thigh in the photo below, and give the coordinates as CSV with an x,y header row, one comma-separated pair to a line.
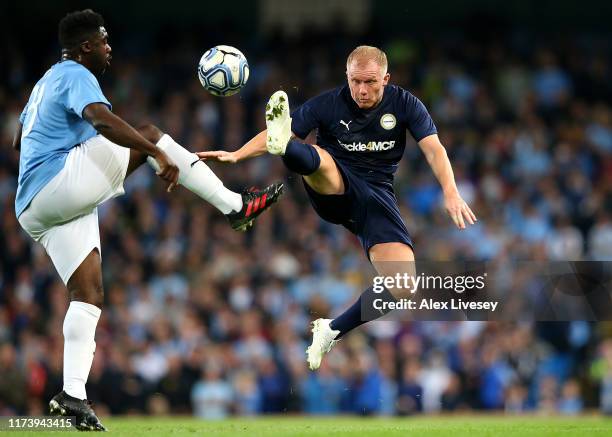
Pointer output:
x,y
70,243
93,173
393,251
327,179
393,259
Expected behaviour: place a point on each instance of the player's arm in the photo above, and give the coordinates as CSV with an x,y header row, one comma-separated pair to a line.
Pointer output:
x,y
254,147
17,137
120,132
438,161
304,117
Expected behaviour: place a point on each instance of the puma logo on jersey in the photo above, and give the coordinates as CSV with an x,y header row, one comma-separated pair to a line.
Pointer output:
x,y
346,124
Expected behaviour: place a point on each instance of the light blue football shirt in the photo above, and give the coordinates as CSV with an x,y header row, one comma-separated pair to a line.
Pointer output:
x,y
53,124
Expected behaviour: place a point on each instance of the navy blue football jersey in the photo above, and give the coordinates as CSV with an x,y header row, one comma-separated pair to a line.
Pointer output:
x,y
371,142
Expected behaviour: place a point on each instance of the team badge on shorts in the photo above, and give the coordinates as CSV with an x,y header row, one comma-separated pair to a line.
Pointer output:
x,y
388,121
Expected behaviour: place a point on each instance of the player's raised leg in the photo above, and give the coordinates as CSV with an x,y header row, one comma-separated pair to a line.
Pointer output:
x,y
240,208
86,299
315,164
388,259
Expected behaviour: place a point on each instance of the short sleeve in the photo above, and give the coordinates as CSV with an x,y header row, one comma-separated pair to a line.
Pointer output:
x,y
23,113
418,121
82,89
306,118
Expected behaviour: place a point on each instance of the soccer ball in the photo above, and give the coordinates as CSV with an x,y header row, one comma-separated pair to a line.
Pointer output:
x,y
223,70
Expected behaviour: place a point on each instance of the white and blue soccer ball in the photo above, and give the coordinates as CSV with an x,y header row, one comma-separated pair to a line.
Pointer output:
x,y
223,70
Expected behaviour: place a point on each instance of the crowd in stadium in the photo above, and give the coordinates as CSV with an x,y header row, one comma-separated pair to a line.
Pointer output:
x,y
202,320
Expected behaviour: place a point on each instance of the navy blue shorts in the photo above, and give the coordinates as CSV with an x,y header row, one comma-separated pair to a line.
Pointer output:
x,y
368,209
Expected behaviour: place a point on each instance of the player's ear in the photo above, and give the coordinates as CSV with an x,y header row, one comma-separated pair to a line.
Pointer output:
x,y
85,47
386,78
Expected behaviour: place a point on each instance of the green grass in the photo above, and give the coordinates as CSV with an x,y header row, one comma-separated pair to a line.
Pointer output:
x,y
455,426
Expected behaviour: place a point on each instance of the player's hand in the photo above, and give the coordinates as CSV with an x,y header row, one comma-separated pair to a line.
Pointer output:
x,y
218,156
459,211
168,170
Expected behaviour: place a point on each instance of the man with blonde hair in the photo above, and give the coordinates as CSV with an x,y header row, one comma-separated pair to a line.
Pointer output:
x,y
363,54
348,174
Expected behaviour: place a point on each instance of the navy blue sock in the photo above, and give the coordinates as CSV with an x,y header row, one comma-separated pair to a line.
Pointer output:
x,y
301,158
352,318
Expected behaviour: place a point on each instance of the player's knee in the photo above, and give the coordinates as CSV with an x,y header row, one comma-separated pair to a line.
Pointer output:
x,y
93,295
301,158
151,132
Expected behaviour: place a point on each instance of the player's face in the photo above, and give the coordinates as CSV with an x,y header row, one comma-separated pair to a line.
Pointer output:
x,y
99,51
367,82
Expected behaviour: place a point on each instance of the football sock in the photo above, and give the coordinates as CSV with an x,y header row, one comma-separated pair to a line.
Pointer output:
x,y
351,318
301,158
79,346
197,177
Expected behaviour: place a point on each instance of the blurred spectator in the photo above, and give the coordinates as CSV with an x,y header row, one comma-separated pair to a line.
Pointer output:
x,y
366,385
516,399
13,384
212,396
435,377
571,401
322,391
453,397
248,395
552,85
601,373
273,386
410,396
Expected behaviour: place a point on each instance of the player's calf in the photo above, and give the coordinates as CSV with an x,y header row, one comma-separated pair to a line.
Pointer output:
x,y
197,177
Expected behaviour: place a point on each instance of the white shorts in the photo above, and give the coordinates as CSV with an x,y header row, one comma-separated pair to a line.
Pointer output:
x,y
63,216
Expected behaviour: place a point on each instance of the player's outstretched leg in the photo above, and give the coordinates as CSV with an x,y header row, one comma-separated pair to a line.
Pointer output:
x,y
386,258
239,208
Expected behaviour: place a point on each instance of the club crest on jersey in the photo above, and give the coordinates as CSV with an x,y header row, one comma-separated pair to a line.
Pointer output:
x,y
388,121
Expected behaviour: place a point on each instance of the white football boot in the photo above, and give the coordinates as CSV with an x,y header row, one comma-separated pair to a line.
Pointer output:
x,y
278,123
323,339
